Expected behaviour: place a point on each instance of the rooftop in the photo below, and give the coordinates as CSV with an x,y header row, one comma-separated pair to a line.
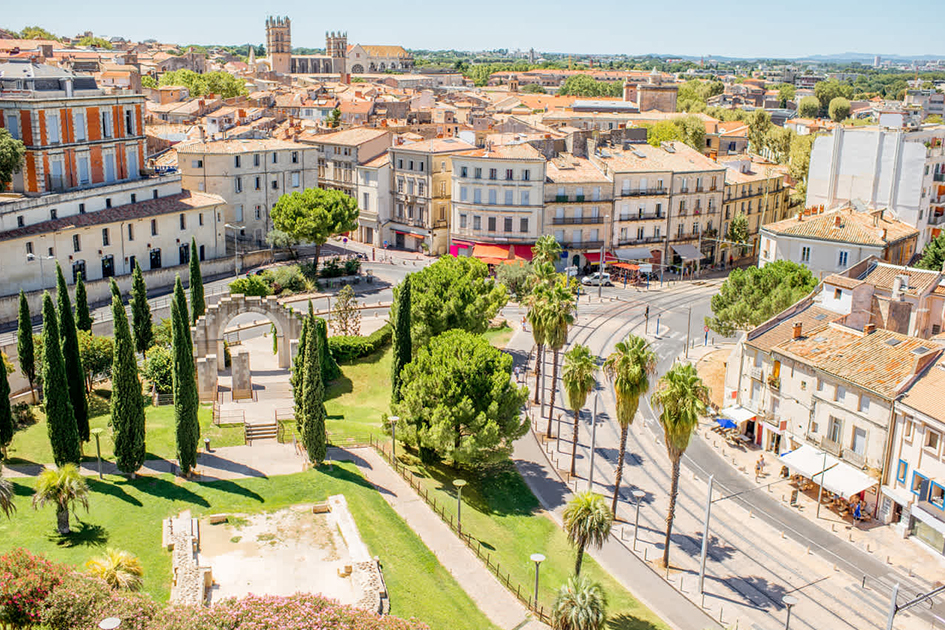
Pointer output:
x,y
643,157
567,168
810,317
239,145
350,137
437,145
507,152
881,275
927,395
846,225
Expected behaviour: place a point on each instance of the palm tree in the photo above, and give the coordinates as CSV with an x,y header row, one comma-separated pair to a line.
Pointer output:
x,y
120,569
587,521
580,605
536,319
577,376
683,397
6,498
559,315
65,487
546,249
629,367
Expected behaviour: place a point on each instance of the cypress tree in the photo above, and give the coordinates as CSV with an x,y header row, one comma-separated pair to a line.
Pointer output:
x,y
140,311
181,299
297,378
25,350
83,319
330,369
127,403
185,392
75,374
197,302
60,420
403,348
313,406
6,412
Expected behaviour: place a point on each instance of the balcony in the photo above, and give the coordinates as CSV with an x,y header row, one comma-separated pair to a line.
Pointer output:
x,y
579,198
755,373
582,244
641,192
640,241
854,458
774,382
640,217
830,446
577,220
561,198
939,177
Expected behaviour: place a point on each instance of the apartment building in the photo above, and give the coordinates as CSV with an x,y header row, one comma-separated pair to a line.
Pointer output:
x,y
579,208
251,175
672,192
497,199
421,194
341,152
754,188
902,171
75,134
373,199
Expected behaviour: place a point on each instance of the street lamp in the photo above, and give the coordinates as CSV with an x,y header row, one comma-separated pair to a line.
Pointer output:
x,y
537,558
109,623
42,270
235,229
98,450
393,436
789,601
638,496
459,483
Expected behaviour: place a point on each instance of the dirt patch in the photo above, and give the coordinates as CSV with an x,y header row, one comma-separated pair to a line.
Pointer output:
x,y
279,553
711,370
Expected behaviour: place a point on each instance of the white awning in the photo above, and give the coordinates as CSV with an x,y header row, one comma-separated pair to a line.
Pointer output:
x,y
634,253
738,413
840,478
688,252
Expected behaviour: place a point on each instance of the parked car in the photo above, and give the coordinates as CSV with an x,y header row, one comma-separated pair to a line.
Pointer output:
x,y
597,278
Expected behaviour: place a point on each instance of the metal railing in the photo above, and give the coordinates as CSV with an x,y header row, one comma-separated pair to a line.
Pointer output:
x,y
576,220
640,217
640,192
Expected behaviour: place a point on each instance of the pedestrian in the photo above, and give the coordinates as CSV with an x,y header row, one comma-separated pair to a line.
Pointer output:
x,y
373,253
857,513
759,466
524,321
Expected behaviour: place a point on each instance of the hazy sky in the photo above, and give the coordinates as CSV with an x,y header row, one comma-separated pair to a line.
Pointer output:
x,y
686,27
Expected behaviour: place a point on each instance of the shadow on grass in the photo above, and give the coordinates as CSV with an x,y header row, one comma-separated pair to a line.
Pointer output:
x,y
232,487
114,491
339,387
164,489
86,535
624,621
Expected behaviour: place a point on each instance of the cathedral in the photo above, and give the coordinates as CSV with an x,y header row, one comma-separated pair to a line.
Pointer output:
x,y
340,58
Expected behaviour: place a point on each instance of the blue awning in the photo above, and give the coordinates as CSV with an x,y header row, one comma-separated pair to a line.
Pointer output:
x,y
725,423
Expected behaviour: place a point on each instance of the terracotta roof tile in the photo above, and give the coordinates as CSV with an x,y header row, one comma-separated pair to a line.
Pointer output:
x,y
855,227
920,280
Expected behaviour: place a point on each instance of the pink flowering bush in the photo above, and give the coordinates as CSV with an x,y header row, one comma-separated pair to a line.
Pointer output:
x,y
25,583
80,602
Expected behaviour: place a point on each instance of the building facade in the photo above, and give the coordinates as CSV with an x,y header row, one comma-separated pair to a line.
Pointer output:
x,y
579,208
373,199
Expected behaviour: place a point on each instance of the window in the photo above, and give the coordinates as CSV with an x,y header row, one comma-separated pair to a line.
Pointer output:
x,y
841,393
421,167
526,175
13,126
400,163
477,195
238,182
129,122
508,173
492,224
462,220
238,212
859,441
183,221
154,194
107,129
134,198
463,193
508,224
901,471
77,268
108,266
104,237
155,258
477,173
19,221
275,184
255,159
296,179
154,229
805,254
410,167
864,404
937,495
80,132
493,173
131,232
463,171
842,259
29,248
835,429
200,218
523,225
258,213
477,222
184,253
52,128
920,485
295,157
493,195
275,157
76,243
236,161
525,198
837,294
509,197
108,202
932,437
908,427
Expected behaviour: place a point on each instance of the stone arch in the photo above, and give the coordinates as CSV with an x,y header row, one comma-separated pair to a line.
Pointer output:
x,y
357,69
209,329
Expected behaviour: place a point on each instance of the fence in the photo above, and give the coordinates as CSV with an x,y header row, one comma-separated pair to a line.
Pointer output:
x,y
227,417
471,541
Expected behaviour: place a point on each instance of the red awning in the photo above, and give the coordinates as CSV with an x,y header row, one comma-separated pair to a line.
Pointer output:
x,y
419,236
503,252
594,257
628,266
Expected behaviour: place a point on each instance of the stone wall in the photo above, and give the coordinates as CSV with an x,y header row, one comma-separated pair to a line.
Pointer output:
x,y
366,569
191,582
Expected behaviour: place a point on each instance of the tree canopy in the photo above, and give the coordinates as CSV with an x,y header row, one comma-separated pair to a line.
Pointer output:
x,y
95,42
452,293
37,32
222,84
587,86
11,157
314,215
459,401
933,255
809,107
826,91
839,109
751,296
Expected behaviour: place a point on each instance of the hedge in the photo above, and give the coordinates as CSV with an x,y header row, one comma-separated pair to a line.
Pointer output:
x,y
347,348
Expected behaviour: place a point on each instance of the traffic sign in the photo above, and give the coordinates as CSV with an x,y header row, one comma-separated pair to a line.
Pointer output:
x,y
705,329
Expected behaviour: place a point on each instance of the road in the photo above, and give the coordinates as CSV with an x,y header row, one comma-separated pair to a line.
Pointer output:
x,y
751,566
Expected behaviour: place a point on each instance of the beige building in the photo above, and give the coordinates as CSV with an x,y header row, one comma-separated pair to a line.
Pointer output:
x,y
755,188
373,199
420,195
251,175
340,153
579,208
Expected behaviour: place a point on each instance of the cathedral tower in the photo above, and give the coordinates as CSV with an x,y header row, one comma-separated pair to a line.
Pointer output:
x,y
279,44
336,47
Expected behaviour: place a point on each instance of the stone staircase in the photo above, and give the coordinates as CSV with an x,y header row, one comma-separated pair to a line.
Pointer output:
x,y
260,431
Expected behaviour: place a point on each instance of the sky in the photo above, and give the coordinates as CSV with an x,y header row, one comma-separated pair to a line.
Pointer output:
x,y
735,28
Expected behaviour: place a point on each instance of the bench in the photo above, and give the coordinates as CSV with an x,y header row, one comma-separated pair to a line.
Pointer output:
x,y
216,519
321,508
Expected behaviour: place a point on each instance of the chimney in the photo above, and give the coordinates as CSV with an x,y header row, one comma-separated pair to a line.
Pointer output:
x,y
897,288
800,215
884,234
869,329
837,221
796,333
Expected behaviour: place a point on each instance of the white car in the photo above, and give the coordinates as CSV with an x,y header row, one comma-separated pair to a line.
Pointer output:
x,y
597,278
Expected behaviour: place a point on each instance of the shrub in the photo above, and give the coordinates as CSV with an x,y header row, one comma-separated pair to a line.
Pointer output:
x,y
80,602
25,582
159,368
331,269
288,279
250,285
23,414
352,266
347,348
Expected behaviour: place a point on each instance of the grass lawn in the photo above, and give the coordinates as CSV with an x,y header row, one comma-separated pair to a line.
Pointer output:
x,y
356,401
499,336
501,512
31,443
127,514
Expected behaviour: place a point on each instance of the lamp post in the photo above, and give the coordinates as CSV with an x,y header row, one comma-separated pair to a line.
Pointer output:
x,y
638,496
459,483
537,558
98,450
109,623
393,436
42,270
789,601
590,474
235,229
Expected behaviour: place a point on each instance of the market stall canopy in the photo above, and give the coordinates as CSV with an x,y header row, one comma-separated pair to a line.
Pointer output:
x,y
840,478
594,257
627,266
635,253
738,413
688,252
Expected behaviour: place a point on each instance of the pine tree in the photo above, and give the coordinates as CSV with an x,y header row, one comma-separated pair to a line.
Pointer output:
x,y
60,420
181,299
140,311
313,406
185,391
83,319
403,348
127,403
197,302
6,412
25,350
297,378
345,317
75,374
330,369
